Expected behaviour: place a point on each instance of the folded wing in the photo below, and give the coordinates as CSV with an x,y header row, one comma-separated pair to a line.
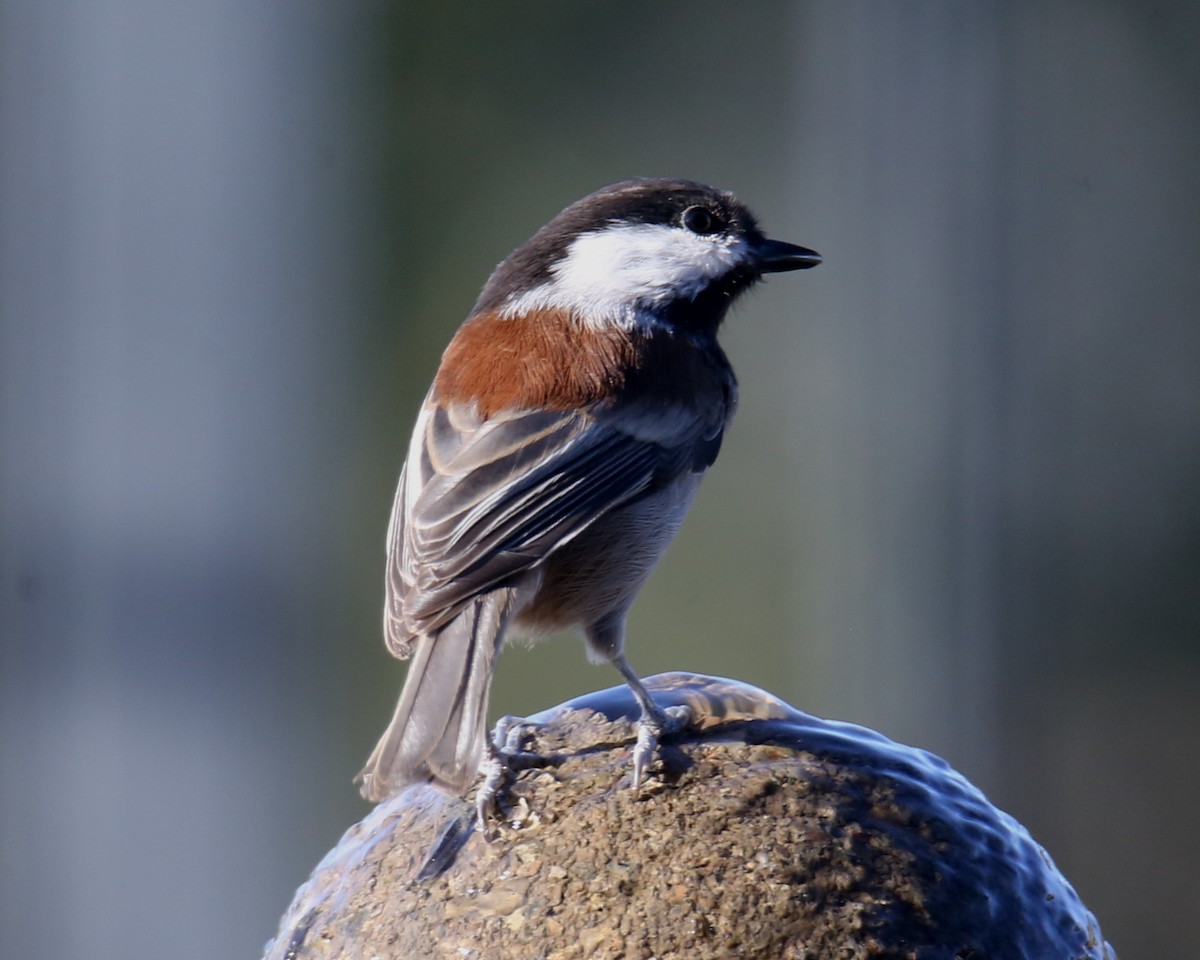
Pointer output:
x,y
480,501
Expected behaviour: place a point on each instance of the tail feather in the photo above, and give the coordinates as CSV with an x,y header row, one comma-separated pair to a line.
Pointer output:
x,y
437,732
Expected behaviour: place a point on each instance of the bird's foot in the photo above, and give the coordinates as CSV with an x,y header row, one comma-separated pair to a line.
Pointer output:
x,y
651,727
504,759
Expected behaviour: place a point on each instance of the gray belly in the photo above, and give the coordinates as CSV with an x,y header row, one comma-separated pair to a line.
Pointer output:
x,y
601,571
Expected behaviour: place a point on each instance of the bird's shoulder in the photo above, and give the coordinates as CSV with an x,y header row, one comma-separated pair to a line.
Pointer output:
x,y
551,360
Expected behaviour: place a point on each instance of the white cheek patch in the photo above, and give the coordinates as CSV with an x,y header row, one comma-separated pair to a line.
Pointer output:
x,y
622,269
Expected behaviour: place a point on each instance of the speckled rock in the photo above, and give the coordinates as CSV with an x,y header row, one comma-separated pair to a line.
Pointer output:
x,y
764,833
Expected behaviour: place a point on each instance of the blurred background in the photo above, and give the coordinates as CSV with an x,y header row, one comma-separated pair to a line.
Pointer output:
x,y
960,504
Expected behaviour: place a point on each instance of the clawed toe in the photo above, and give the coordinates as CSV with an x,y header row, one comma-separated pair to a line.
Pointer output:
x,y
495,774
651,728
504,759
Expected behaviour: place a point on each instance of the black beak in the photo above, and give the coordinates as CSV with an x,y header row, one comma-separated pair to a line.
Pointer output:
x,y
775,256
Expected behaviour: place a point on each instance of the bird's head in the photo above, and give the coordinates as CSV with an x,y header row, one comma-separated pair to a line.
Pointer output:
x,y
642,251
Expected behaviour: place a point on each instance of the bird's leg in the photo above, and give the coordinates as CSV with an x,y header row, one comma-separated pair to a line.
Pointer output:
x,y
654,723
503,759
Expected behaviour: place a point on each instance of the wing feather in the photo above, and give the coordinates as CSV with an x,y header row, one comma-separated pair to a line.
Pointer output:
x,y
480,501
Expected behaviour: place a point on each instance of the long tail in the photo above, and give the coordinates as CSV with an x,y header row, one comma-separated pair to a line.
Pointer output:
x,y
437,733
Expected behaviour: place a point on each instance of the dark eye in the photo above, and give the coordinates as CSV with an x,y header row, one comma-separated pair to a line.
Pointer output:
x,y
700,220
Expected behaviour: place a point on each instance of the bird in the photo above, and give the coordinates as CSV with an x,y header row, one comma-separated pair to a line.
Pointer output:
x,y
553,459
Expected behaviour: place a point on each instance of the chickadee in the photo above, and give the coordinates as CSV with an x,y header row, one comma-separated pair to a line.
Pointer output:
x,y
556,454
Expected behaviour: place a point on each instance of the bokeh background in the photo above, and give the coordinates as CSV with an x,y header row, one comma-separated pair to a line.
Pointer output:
x,y
960,504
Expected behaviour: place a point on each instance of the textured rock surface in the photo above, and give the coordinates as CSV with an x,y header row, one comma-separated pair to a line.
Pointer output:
x,y
765,833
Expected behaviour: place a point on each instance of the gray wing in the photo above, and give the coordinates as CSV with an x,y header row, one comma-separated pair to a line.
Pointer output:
x,y
480,501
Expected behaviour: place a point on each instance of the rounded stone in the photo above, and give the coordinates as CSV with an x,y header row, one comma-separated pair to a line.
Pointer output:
x,y
763,832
